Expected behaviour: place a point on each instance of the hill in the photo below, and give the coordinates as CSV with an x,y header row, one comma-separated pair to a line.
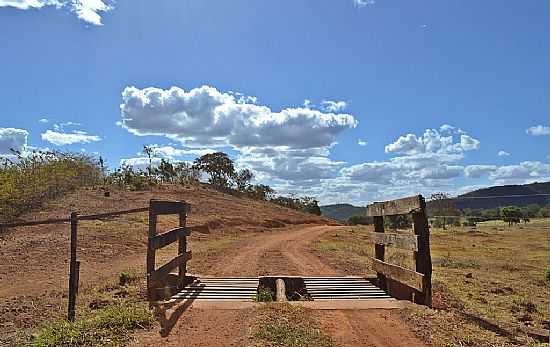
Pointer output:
x,y
499,196
341,212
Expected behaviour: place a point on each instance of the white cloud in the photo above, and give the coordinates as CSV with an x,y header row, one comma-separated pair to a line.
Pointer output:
x,y
86,10
524,172
173,153
539,130
361,142
141,163
291,144
28,4
363,3
61,138
477,171
206,117
43,120
11,138
503,154
333,106
434,141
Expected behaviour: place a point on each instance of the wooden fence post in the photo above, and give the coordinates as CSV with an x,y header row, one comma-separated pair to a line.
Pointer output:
x,y
379,250
73,268
423,258
182,246
151,253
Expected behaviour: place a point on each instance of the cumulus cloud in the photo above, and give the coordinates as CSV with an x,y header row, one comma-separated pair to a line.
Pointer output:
x,y
289,144
434,141
140,163
361,142
363,3
62,138
539,130
206,117
174,153
333,106
43,120
525,171
12,138
477,171
87,10
503,154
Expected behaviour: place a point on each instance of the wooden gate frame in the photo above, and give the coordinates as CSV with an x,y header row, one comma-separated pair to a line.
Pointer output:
x,y
421,279
159,278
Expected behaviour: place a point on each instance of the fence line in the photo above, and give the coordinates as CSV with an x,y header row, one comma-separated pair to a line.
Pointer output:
x,y
67,220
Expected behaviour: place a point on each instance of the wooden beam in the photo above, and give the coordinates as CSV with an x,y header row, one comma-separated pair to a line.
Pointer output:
x,y
164,270
160,207
395,207
402,241
380,250
408,277
165,239
423,257
182,244
150,265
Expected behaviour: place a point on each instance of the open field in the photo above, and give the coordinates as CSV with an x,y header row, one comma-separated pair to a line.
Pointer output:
x,y
495,272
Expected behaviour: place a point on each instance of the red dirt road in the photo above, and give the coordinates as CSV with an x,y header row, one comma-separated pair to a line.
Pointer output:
x,y
279,252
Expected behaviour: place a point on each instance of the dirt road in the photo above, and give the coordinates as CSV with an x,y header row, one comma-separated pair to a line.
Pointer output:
x,y
279,252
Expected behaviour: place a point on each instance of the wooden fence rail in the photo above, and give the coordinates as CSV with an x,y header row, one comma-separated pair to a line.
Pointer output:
x,y
420,279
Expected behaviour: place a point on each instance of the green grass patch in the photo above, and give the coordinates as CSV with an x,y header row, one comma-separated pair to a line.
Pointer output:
x,y
285,325
108,326
264,295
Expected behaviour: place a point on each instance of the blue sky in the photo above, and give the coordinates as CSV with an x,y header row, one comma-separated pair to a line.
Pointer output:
x,y
345,100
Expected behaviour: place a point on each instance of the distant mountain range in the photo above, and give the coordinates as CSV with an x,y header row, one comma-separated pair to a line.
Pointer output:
x,y
491,197
499,196
341,212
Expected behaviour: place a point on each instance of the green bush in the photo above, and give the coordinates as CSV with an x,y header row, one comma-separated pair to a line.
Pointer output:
x,y
547,274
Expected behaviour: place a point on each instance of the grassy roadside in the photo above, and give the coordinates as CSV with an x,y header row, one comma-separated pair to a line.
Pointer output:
x,y
494,273
286,325
112,313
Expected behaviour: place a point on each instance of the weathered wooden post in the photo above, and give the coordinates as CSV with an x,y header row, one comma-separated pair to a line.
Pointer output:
x,y
151,250
423,258
74,268
380,250
182,245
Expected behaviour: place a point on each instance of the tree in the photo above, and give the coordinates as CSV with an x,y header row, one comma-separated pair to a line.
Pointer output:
x,y
150,152
219,168
511,214
242,179
166,171
262,192
442,205
186,173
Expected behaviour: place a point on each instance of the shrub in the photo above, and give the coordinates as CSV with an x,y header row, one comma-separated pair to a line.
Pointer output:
x,y
547,274
264,295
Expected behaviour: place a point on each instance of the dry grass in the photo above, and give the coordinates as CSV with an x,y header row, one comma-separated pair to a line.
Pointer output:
x,y
495,272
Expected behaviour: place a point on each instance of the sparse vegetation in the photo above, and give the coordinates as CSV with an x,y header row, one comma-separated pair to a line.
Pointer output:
x,y
264,295
110,325
285,325
29,181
